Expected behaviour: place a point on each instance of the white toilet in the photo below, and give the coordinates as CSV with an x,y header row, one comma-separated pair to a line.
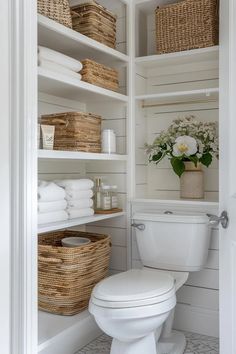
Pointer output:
x,y
136,308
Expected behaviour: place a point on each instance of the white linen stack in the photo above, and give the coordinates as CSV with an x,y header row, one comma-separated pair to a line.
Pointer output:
x,y
51,203
54,61
79,197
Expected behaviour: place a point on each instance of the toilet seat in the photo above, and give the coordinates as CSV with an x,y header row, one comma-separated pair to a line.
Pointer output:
x,y
134,288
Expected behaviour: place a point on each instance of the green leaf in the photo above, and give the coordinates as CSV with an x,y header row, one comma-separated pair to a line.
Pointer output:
x,y
157,157
194,159
206,159
178,166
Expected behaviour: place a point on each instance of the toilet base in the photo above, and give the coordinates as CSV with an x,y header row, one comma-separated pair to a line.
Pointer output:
x,y
140,346
174,344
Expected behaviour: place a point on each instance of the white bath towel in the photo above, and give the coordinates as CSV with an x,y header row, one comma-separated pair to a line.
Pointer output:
x,y
45,218
50,192
79,213
76,184
80,203
72,194
45,207
49,65
59,58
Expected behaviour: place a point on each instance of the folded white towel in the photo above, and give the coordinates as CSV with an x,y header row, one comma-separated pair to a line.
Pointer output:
x,y
80,203
50,192
59,58
76,184
45,207
72,194
79,213
54,216
49,65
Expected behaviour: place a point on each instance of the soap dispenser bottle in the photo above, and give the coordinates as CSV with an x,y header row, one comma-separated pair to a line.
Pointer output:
x,y
98,194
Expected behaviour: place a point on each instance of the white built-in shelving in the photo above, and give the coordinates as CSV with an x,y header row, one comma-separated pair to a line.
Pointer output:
x,y
79,155
209,57
60,85
195,96
67,41
58,334
76,222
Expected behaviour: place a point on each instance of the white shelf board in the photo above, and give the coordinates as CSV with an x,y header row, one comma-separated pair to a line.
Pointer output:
x,y
202,95
60,85
187,202
79,155
205,55
53,35
62,334
76,222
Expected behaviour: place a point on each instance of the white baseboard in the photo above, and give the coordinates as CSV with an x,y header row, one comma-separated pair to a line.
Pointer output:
x,y
65,335
197,320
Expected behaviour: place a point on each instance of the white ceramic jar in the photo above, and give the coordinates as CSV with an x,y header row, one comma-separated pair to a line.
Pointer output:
x,y
108,141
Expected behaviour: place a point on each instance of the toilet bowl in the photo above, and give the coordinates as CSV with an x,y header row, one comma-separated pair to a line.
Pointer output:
x,y
131,306
136,307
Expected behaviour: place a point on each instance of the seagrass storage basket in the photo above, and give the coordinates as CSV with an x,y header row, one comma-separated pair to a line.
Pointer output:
x,y
99,75
95,21
188,24
66,276
75,131
57,10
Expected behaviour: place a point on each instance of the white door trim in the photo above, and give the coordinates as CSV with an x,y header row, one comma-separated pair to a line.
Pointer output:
x,y
227,127
23,142
5,178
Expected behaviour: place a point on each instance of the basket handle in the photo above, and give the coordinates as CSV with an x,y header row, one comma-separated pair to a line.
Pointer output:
x,y
61,121
49,260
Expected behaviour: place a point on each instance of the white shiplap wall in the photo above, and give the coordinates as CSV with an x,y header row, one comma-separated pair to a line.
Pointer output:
x,y
198,299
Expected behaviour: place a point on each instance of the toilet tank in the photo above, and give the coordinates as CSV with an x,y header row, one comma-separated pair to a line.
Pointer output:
x,y
172,241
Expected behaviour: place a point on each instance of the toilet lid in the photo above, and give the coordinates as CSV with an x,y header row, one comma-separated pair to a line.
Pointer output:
x,y
135,285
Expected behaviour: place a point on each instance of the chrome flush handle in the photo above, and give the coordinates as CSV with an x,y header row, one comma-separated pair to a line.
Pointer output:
x,y
140,227
215,220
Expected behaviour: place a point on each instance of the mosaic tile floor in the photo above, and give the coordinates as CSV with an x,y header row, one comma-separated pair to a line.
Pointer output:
x,y
196,344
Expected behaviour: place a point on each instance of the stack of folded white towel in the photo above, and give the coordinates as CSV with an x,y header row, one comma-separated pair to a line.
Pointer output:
x,y
54,61
79,195
51,203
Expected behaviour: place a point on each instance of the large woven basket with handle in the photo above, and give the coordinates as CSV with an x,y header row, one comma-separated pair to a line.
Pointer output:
x,y
66,276
75,131
188,24
57,10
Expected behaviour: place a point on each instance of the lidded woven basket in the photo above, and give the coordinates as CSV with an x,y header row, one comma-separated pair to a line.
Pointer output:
x,y
95,21
99,75
57,10
75,131
66,276
188,24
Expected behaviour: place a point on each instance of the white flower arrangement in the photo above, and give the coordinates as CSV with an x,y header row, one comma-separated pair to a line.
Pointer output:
x,y
186,139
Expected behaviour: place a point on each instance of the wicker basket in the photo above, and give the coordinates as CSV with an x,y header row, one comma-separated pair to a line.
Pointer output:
x,y
188,24
66,276
75,131
95,21
57,10
99,75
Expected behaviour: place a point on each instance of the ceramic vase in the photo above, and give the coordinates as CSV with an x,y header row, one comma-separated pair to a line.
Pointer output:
x,y
192,182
